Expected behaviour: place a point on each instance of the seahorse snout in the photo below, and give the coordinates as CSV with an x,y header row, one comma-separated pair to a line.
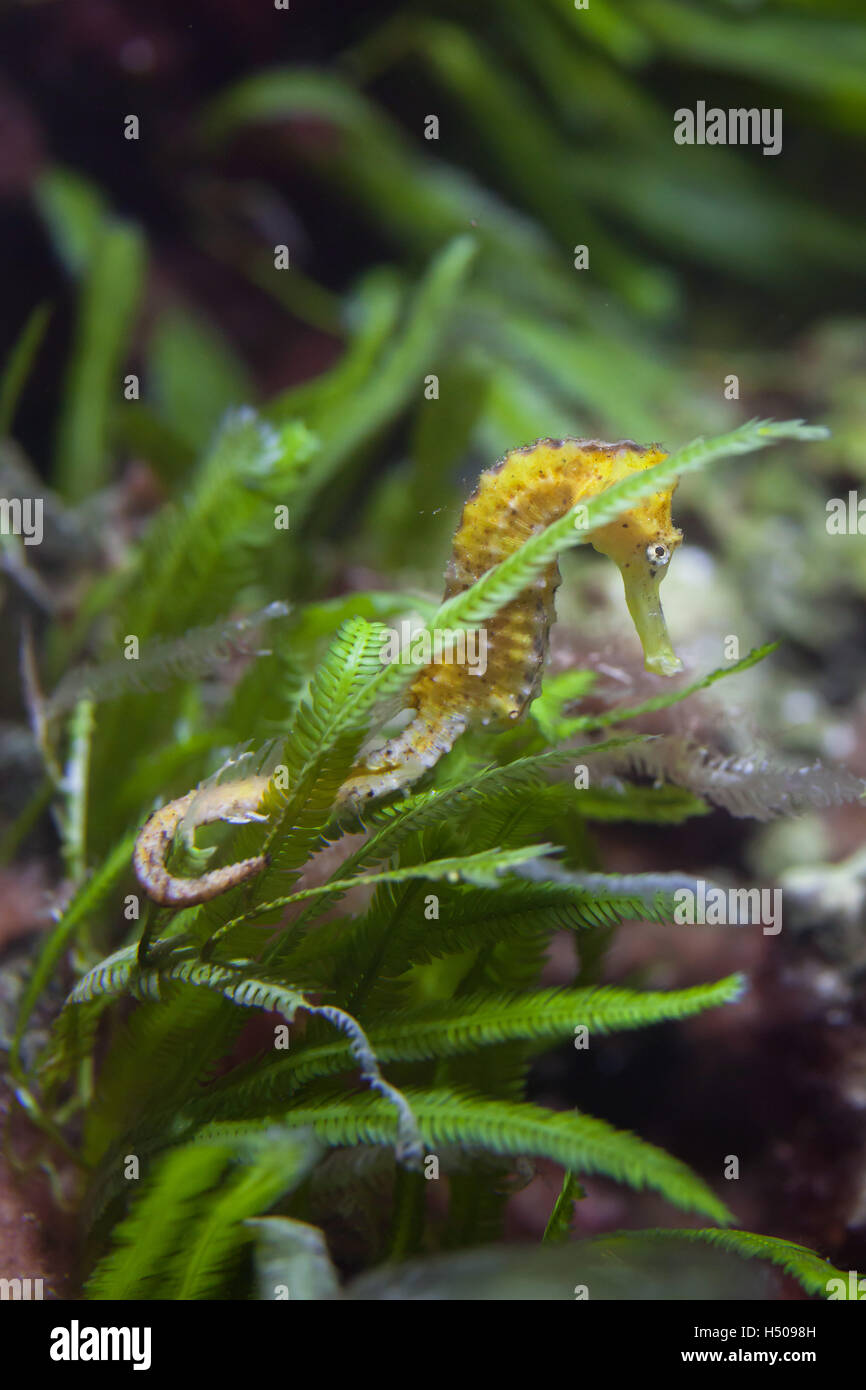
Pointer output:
x,y
642,543
642,577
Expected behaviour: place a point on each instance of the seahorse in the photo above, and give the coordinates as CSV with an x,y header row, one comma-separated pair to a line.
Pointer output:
x,y
521,494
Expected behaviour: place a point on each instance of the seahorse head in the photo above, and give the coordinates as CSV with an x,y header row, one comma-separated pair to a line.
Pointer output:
x,y
642,543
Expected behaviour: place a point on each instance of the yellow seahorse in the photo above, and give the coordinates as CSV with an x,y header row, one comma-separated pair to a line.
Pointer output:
x,y
524,492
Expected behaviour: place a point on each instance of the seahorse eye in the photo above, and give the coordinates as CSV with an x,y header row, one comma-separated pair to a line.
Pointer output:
x,y
657,554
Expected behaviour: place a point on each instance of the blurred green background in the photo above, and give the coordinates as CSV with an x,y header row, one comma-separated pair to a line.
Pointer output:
x,y
451,256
